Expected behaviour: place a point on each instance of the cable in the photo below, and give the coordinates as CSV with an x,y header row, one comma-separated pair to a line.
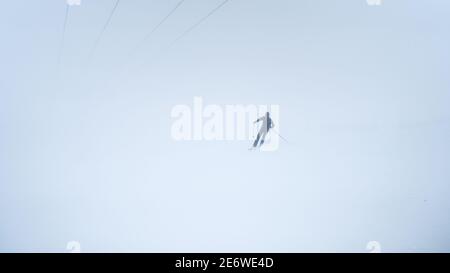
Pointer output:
x,y
61,46
99,37
155,28
194,26
131,53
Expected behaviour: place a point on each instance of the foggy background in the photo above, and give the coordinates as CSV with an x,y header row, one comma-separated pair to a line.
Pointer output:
x,y
85,147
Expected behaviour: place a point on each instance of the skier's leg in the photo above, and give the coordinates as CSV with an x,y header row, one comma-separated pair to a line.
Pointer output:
x,y
256,140
263,136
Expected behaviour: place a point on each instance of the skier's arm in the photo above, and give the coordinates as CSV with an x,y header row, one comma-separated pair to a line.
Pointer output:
x,y
258,120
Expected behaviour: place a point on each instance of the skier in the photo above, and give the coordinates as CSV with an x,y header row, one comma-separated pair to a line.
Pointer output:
x,y
266,126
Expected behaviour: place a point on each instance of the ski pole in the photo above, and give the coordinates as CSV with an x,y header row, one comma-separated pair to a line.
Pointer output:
x,y
276,132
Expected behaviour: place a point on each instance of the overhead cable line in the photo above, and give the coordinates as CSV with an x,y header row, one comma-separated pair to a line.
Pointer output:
x,y
61,45
172,11
199,22
105,26
154,29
